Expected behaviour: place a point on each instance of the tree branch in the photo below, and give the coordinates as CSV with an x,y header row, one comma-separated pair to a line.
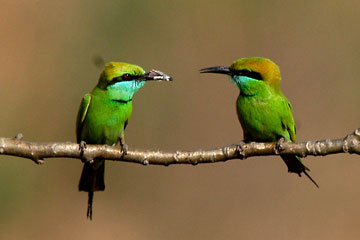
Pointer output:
x,y
39,151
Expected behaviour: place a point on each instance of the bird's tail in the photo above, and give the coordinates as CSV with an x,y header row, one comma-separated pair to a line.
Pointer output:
x,y
91,180
90,202
295,165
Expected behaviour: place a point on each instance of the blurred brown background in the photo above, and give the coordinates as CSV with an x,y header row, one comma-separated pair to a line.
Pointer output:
x,y
46,67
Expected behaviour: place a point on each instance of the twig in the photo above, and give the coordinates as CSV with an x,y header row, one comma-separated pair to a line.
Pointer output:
x,y
39,151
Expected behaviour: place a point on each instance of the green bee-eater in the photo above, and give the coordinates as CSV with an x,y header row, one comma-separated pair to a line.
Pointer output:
x,y
104,114
263,111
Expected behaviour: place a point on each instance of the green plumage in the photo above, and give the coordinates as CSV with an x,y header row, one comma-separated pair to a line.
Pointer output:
x,y
104,114
263,111
265,117
104,120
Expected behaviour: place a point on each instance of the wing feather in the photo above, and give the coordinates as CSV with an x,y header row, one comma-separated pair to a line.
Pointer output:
x,y
287,120
83,109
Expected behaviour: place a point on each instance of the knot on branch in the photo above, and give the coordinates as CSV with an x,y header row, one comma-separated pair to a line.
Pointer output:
x,y
19,136
145,162
226,151
36,158
317,148
352,142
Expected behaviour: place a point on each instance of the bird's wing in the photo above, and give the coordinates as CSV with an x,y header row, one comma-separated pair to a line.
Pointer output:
x,y
84,107
126,123
287,119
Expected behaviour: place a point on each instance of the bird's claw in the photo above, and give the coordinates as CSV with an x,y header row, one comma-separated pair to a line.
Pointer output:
x,y
124,148
240,149
123,145
279,145
82,147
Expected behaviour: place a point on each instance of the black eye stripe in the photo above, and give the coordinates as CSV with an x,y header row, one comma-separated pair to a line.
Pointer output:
x,y
122,78
249,74
116,79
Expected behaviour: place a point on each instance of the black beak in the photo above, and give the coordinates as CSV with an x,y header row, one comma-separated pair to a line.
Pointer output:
x,y
155,75
218,69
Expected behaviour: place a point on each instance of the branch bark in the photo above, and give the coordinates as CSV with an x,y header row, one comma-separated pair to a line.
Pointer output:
x,y
39,151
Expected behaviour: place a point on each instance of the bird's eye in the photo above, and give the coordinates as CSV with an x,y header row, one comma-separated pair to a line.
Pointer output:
x,y
126,76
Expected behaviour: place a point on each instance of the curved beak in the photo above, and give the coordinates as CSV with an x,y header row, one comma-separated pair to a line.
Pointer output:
x,y
218,69
155,75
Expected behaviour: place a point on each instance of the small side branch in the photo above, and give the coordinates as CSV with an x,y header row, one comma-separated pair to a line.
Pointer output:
x,y
39,151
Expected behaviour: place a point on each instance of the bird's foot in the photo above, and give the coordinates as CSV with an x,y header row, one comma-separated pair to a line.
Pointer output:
x,y
84,159
279,145
240,149
82,147
124,148
123,145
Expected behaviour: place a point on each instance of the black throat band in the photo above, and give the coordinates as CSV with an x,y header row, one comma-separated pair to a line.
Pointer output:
x,y
121,101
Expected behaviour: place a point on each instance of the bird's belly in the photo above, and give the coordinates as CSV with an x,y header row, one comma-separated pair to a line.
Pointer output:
x,y
101,132
259,121
105,125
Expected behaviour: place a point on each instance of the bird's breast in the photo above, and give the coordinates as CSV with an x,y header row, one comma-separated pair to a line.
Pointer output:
x,y
105,120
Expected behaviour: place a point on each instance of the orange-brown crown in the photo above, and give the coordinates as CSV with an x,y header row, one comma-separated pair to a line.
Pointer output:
x,y
269,71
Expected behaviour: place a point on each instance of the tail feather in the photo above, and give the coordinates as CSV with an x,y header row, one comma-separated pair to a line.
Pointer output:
x,y
311,179
90,202
295,165
91,180
92,177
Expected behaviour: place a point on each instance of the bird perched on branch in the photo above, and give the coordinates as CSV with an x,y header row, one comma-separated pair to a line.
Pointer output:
x,y
263,111
104,114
